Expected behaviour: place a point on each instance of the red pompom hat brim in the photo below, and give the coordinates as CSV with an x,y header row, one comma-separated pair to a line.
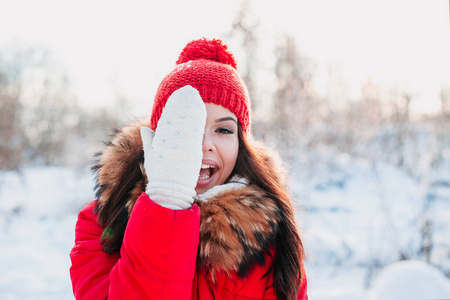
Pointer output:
x,y
209,67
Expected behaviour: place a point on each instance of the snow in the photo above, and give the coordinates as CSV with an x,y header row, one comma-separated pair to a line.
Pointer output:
x,y
360,212
410,280
358,219
38,210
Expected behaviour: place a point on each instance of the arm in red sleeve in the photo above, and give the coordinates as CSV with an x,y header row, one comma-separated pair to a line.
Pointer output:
x,y
157,259
158,255
302,293
90,265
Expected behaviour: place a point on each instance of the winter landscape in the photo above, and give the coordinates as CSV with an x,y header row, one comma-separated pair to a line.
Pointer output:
x,y
355,232
358,109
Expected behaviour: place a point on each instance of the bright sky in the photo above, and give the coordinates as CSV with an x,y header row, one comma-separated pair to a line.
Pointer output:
x,y
127,47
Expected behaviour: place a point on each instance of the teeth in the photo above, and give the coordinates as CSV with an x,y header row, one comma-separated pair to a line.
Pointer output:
x,y
207,166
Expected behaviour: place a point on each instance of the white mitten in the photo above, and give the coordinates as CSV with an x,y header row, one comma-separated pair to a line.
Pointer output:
x,y
172,160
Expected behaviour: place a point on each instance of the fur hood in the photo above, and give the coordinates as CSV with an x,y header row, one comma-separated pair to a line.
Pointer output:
x,y
237,227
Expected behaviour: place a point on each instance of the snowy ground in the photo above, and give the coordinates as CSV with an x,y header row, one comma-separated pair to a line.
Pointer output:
x,y
355,215
37,217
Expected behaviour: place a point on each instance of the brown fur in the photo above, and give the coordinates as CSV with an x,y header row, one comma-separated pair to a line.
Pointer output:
x,y
115,160
237,227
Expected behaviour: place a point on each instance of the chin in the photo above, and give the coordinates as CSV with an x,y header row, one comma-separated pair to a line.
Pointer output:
x,y
201,190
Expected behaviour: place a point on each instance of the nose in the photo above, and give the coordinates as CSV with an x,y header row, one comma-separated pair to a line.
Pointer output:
x,y
207,145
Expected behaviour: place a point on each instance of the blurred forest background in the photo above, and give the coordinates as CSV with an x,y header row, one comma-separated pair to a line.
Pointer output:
x,y
43,123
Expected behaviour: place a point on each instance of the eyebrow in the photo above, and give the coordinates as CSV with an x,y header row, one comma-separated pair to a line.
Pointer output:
x,y
226,119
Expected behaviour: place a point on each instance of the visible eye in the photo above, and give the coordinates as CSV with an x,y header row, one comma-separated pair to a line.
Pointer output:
x,y
224,130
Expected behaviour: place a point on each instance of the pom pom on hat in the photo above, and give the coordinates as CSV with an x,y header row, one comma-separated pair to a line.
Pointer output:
x,y
213,50
209,67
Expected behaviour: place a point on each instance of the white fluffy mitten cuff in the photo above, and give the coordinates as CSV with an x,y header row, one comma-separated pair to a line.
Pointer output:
x,y
173,159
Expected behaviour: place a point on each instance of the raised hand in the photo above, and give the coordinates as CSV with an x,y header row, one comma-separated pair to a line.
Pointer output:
x,y
173,157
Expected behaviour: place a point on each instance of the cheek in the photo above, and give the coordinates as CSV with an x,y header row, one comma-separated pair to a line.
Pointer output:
x,y
229,152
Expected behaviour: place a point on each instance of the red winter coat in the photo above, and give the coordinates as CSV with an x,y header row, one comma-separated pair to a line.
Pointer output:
x,y
155,264
163,250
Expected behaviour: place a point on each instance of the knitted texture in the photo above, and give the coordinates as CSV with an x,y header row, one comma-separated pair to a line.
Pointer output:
x,y
209,67
172,159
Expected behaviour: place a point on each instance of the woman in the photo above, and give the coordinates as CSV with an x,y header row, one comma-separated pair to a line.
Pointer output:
x,y
190,207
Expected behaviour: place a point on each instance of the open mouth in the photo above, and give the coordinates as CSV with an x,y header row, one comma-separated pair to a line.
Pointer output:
x,y
206,172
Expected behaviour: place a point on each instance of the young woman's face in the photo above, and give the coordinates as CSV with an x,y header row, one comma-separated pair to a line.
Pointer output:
x,y
220,147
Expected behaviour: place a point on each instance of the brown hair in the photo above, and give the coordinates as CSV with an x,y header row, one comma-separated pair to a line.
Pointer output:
x,y
255,163
113,206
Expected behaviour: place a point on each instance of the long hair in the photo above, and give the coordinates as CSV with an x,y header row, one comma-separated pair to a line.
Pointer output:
x,y
113,213
255,163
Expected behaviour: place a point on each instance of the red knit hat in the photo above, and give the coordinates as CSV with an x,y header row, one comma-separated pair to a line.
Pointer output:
x,y
209,67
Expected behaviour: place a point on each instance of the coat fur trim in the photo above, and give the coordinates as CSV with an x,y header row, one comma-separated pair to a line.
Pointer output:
x,y
122,155
237,227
